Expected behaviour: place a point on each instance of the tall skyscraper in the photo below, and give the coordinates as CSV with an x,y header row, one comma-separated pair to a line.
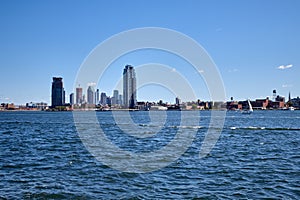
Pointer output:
x,y
120,99
90,95
64,97
57,96
177,101
83,99
97,96
129,87
72,98
115,98
103,98
79,97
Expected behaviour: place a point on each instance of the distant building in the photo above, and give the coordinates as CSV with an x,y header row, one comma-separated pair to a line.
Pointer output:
x,y
113,101
295,102
90,95
115,98
72,99
83,99
280,98
261,103
103,98
129,87
37,106
97,96
234,105
79,96
57,96
274,95
120,99
279,102
64,97
108,101
10,106
177,101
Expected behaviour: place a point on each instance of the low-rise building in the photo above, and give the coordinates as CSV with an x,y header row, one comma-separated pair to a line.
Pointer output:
x,y
37,106
295,102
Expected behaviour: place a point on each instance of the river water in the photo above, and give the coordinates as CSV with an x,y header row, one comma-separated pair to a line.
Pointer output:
x,y
256,156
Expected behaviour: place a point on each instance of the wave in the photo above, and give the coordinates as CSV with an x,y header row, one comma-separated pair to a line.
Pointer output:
x,y
264,128
183,127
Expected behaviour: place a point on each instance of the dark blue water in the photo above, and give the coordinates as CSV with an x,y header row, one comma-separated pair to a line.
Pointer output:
x,y
256,156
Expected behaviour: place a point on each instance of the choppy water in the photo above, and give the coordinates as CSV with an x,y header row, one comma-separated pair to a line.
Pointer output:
x,y
256,156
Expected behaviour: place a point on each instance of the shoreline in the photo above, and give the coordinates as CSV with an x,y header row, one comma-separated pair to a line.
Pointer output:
x,y
136,110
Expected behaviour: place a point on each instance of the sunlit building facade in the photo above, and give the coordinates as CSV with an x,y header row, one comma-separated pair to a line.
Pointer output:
x,y
129,87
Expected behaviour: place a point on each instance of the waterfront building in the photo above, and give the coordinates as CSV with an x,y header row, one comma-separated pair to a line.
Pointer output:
x,y
72,98
129,87
36,106
79,96
113,101
115,98
64,97
108,101
295,102
57,95
90,95
120,99
274,95
83,99
177,101
103,98
279,102
97,96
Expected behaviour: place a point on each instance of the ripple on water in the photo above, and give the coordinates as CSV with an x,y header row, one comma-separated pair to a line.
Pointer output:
x,y
42,157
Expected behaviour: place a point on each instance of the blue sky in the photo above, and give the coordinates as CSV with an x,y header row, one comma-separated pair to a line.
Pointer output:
x,y
248,41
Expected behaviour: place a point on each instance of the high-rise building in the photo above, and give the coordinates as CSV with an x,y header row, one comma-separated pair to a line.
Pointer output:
x,y
103,98
72,98
57,96
129,87
83,99
90,95
97,96
64,97
177,101
79,97
115,98
120,99
108,101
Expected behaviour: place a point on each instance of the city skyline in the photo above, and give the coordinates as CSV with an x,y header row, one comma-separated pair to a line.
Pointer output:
x,y
93,98
254,44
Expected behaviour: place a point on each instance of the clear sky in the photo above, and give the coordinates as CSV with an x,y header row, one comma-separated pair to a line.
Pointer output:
x,y
255,44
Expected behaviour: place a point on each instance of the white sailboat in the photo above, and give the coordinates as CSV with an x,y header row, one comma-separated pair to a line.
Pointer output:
x,y
250,110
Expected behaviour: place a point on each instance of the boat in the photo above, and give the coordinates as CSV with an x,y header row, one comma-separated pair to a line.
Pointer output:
x,y
250,110
291,108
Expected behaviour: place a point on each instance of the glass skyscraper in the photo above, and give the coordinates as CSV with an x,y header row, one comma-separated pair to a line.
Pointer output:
x,y
129,87
57,97
90,95
79,97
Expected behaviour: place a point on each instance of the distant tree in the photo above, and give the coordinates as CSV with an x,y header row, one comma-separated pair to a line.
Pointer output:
x,y
194,106
289,103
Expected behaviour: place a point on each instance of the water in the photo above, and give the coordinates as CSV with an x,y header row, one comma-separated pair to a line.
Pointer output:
x,y
256,156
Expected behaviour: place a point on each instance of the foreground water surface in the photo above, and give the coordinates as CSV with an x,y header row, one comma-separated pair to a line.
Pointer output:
x,y
256,156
